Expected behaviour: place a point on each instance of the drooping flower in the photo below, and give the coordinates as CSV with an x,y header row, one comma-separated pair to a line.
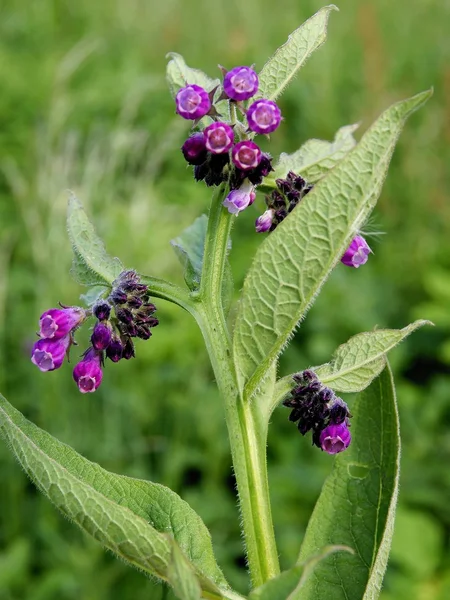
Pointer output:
x,y
357,253
101,336
88,372
194,149
241,83
264,222
56,323
238,200
246,155
192,102
48,354
335,438
263,116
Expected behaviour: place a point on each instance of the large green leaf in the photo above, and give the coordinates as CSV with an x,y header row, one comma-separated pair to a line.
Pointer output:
x,y
189,246
357,503
131,517
179,75
91,264
282,67
355,363
294,261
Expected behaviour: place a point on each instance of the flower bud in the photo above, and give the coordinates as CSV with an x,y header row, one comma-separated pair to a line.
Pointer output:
x,y
192,102
263,116
241,83
49,355
115,349
88,373
102,310
357,253
128,350
101,336
56,323
194,149
124,315
264,222
335,438
219,137
246,155
238,200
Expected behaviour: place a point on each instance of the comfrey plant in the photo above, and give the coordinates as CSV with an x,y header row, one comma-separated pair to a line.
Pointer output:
x,y
317,201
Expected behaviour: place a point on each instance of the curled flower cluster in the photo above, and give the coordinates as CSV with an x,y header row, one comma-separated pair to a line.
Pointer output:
x,y
316,408
127,313
223,151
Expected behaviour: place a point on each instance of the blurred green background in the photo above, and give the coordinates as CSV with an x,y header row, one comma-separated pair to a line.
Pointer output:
x,y
84,105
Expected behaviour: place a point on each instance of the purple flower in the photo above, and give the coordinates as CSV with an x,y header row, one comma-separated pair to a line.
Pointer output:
x,y
56,323
49,355
264,222
335,438
102,310
219,137
192,102
115,349
238,200
88,373
101,336
241,83
246,155
263,116
357,253
194,149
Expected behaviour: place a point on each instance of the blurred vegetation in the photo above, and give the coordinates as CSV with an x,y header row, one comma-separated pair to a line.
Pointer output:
x,y
84,105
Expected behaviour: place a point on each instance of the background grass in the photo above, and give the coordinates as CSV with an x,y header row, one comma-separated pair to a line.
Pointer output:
x,y
84,105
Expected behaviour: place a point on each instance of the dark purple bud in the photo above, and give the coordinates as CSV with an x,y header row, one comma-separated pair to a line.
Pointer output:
x,y
219,137
339,412
49,355
246,155
257,175
135,302
238,200
298,182
284,185
143,332
335,438
101,336
124,315
102,310
192,102
293,196
263,116
88,373
56,323
241,83
194,149
118,296
201,171
357,253
114,350
128,350
264,222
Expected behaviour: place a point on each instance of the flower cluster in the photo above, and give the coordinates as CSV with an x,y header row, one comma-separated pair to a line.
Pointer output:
x,y
318,409
127,313
224,151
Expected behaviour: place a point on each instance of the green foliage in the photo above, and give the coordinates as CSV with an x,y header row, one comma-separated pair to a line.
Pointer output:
x,y
179,74
189,248
357,504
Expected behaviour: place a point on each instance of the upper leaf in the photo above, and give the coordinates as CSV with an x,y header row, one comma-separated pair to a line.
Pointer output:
x,y
362,358
91,264
179,75
294,261
357,504
282,67
131,517
189,247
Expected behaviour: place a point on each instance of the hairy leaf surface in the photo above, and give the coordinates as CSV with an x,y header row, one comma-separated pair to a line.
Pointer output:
x,y
179,75
189,246
357,503
294,261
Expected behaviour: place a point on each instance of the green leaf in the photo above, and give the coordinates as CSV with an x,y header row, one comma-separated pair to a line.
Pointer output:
x,y
295,260
315,158
363,357
131,517
179,75
91,264
357,503
189,247
282,67
182,576
287,586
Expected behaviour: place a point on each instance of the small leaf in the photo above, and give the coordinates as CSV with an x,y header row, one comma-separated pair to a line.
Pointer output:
x,y
182,577
362,358
131,517
315,158
179,75
282,67
295,260
93,294
91,264
357,503
189,247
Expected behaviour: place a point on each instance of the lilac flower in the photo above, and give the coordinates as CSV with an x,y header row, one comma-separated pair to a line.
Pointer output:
x,y
264,222
101,336
357,253
246,155
194,149
335,438
192,102
263,116
241,83
238,200
49,355
56,323
219,137
88,373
